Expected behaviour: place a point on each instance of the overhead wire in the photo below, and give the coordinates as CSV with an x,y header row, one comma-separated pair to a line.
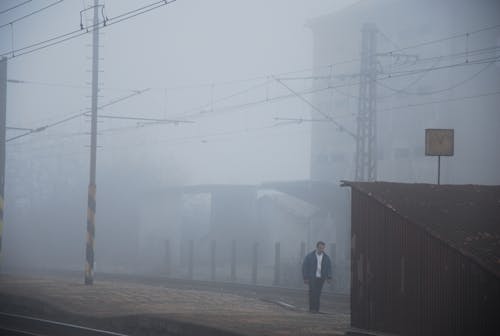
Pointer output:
x,y
248,130
425,93
443,39
74,116
79,32
487,94
333,87
294,94
395,74
326,115
14,7
234,132
30,14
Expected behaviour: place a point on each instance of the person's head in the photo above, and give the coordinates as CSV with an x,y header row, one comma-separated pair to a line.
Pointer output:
x,y
320,247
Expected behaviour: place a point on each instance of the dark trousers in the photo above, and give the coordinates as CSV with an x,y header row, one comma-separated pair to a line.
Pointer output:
x,y
315,286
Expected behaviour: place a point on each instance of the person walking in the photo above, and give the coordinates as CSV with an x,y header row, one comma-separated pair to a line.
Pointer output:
x,y
316,268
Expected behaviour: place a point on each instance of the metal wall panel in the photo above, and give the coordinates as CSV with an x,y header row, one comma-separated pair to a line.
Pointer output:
x,y
406,282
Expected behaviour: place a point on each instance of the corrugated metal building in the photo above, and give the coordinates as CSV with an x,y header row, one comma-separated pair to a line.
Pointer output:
x,y
425,258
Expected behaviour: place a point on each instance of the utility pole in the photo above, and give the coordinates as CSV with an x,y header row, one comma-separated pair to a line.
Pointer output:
x,y
3,113
89,248
366,136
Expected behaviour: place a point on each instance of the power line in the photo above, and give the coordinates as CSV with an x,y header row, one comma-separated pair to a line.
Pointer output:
x,y
295,121
480,51
327,116
475,52
440,101
18,128
77,33
30,14
405,91
238,93
74,116
173,121
13,7
443,39
396,74
135,93
43,128
295,94
330,87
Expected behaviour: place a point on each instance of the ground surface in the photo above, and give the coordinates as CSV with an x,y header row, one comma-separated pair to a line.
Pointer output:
x,y
135,308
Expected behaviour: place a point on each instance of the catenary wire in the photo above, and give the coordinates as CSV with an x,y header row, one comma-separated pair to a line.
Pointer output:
x,y
77,33
14,7
30,14
443,39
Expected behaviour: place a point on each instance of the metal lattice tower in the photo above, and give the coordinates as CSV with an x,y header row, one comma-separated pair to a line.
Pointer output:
x,y
366,135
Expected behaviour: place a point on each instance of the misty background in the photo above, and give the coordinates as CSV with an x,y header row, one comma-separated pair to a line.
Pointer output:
x,y
214,72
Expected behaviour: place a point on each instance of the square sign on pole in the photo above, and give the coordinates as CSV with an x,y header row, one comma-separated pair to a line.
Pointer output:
x,y
439,142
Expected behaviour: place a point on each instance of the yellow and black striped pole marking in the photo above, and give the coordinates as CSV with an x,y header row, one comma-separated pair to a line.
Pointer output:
x,y
89,249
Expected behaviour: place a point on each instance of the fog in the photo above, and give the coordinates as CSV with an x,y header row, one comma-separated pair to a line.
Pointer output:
x,y
247,91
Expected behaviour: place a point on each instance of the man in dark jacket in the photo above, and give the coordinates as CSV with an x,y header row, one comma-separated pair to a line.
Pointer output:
x,y
316,268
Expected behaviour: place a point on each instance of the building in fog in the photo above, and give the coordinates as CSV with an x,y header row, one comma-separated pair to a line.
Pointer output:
x,y
449,83
425,258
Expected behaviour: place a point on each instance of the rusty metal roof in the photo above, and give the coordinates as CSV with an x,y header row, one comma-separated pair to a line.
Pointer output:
x,y
466,217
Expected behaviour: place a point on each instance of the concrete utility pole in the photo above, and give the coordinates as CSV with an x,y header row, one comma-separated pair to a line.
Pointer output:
x,y
3,113
89,248
366,136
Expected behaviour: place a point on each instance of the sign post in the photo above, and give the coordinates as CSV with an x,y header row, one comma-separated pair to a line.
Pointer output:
x,y
439,142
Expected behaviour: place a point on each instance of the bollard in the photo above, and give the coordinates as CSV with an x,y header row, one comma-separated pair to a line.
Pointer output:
x,y
254,264
190,261
212,253
233,260
277,271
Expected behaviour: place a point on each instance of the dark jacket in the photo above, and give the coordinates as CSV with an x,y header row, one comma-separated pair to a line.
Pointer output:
x,y
310,263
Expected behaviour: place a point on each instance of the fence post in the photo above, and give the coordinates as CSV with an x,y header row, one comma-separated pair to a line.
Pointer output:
x,y
333,256
233,260
302,256
254,264
190,261
277,271
212,254
167,257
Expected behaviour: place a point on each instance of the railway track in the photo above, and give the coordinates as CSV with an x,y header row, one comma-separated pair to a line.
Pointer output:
x,y
20,325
